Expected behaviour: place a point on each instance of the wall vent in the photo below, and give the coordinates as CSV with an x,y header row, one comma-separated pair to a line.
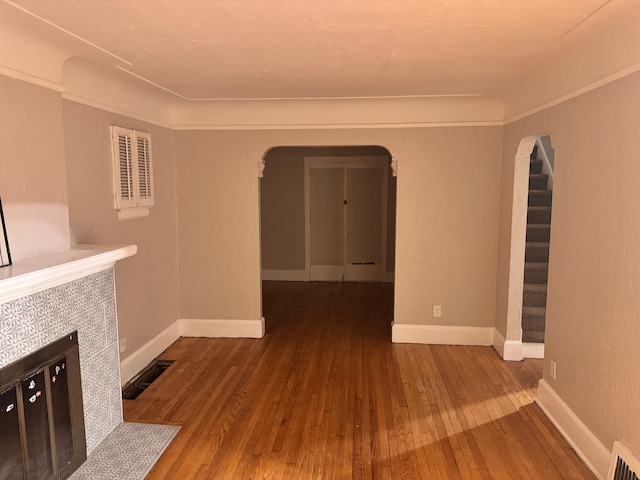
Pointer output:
x,y
624,465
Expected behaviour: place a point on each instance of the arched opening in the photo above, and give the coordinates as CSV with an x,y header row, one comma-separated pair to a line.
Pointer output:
x,y
327,214
530,245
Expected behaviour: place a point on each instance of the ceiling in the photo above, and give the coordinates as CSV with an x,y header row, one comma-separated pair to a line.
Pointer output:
x,y
218,49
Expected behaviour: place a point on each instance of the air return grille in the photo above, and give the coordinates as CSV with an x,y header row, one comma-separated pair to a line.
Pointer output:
x,y
624,466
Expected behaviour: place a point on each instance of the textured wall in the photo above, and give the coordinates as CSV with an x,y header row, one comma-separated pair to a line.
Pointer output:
x,y
32,169
88,306
147,284
594,279
447,219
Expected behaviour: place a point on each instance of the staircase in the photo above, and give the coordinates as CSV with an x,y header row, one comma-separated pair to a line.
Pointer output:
x,y
536,266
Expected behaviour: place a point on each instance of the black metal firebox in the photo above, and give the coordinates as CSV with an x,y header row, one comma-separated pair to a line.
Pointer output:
x,y
41,415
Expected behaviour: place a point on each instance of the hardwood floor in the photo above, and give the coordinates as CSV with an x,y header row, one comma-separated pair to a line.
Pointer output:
x,y
325,394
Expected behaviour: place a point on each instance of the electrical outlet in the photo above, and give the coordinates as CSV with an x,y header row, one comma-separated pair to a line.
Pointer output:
x,y
123,345
437,311
553,367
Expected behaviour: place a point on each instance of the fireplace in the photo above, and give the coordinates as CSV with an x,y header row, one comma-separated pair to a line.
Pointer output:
x,y
41,415
45,299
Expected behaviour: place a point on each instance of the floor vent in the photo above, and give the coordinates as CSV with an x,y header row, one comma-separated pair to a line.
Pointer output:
x,y
624,466
145,378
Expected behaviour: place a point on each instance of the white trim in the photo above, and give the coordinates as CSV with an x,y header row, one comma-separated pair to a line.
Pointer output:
x,y
441,334
143,356
592,452
25,77
134,363
113,109
509,350
533,350
219,328
132,212
285,275
575,93
515,286
341,126
32,275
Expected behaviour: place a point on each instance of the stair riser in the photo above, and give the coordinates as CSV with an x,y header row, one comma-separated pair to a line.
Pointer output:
x,y
536,254
533,324
535,166
540,198
539,215
534,300
537,183
535,276
532,337
538,233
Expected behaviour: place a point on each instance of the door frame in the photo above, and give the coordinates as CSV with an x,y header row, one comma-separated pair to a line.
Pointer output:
x,y
359,161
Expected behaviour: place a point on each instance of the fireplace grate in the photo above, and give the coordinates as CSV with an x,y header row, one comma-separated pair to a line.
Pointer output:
x,y
146,377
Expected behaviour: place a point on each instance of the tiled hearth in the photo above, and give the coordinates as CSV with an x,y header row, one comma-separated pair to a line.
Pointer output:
x,y
44,299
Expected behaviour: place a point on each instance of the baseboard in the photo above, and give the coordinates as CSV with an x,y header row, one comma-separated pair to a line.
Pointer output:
x,y
533,350
441,334
285,275
134,363
510,350
216,328
592,452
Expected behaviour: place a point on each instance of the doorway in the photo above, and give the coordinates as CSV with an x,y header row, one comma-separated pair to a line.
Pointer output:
x,y
346,218
286,232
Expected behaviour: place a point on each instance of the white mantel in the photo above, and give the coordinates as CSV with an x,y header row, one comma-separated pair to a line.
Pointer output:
x,y
38,273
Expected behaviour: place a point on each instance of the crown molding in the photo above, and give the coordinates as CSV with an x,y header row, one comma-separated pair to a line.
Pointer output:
x,y
25,77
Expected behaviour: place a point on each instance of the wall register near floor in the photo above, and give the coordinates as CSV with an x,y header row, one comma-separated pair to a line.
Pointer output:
x,y
132,172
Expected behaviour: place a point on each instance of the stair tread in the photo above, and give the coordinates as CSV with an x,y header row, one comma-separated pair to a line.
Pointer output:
x,y
536,265
534,312
535,288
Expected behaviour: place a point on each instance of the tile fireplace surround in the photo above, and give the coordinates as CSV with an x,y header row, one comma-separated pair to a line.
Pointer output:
x,y
45,298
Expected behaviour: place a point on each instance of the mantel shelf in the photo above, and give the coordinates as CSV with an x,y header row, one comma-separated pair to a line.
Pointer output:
x,y
32,275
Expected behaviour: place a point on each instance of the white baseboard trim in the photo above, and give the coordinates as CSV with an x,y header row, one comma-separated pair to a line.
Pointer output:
x,y
592,452
134,363
216,328
510,350
441,334
285,275
533,350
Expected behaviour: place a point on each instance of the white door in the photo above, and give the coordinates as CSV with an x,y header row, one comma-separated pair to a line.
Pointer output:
x,y
346,218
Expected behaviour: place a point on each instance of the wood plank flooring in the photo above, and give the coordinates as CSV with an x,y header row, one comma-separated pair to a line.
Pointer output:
x,y
325,394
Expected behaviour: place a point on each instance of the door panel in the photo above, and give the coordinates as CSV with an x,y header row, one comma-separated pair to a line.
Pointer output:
x,y
364,223
327,223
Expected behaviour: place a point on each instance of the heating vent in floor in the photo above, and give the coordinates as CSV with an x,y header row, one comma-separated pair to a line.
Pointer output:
x,y
624,465
145,378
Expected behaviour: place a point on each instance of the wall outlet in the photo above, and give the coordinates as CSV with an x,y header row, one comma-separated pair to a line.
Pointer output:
x,y
437,311
553,369
123,345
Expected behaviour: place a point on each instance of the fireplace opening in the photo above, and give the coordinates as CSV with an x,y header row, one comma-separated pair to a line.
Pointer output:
x,y
41,414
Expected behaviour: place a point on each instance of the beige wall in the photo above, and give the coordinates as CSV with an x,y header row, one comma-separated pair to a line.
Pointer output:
x,y
146,284
282,205
32,169
447,211
594,279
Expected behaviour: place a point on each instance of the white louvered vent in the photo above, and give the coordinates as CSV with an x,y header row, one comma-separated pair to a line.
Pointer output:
x,y
624,465
133,172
